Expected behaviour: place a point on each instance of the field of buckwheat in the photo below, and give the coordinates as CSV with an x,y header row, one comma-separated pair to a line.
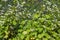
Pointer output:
x,y
29,19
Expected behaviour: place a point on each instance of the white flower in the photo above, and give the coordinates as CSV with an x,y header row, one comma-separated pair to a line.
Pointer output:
x,y
49,8
9,5
1,13
43,5
49,3
1,22
25,8
5,0
23,2
54,5
0,5
21,5
20,13
28,11
34,10
32,29
3,16
2,10
24,32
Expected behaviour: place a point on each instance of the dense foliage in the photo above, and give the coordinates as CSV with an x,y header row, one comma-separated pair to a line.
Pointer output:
x,y
29,19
